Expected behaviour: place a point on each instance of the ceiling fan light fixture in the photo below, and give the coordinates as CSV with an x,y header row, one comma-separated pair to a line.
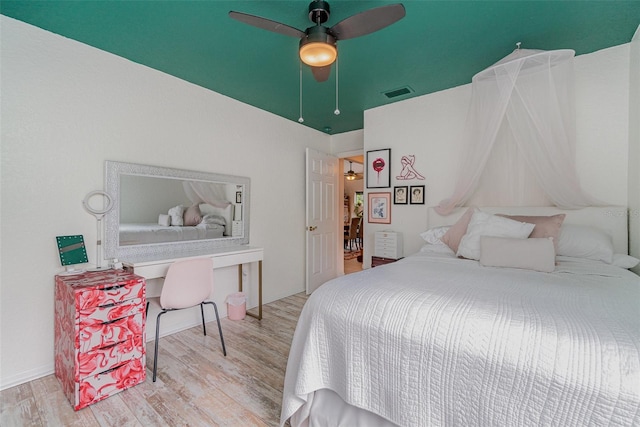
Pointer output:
x,y
350,175
318,48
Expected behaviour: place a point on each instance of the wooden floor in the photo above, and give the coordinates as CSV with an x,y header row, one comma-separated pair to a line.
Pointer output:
x,y
352,266
196,385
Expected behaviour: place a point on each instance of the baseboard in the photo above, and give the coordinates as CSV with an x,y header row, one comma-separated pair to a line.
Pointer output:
x,y
26,376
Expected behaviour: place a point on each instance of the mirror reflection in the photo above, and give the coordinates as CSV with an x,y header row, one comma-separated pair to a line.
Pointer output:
x,y
163,211
159,210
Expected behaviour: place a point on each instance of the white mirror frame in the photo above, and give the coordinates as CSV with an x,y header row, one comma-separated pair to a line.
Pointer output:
x,y
113,249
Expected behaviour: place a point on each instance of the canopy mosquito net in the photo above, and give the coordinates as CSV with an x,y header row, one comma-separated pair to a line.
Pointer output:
x,y
524,100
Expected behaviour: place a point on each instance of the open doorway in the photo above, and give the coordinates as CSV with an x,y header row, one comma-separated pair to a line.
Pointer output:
x,y
352,213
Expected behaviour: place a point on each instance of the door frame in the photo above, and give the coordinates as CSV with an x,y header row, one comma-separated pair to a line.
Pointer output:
x,y
341,161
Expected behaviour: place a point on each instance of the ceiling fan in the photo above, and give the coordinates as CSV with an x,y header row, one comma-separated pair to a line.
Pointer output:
x,y
318,44
351,175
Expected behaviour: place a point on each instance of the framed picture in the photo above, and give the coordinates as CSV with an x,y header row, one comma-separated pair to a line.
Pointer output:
x,y
239,197
416,194
380,208
379,168
400,195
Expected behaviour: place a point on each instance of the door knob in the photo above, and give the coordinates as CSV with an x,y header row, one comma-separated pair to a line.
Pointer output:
x,y
312,228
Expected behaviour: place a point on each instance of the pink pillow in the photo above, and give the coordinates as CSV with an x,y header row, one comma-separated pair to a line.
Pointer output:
x,y
453,236
546,226
192,216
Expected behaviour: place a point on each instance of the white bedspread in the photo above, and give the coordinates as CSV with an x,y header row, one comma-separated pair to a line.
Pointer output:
x,y
434,340
139,234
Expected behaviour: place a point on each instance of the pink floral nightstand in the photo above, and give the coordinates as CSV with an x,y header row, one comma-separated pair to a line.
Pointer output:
x,y
99,334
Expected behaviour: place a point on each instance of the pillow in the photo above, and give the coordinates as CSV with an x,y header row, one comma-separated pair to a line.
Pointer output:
x,y
192,215
164,220
486,224
582,241
213,219
440,248
624,261
453,236
546,226
434,235
532,254
176,213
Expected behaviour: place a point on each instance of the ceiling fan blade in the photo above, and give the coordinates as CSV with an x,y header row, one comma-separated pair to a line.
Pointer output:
x,y
266,24
321,74
367,22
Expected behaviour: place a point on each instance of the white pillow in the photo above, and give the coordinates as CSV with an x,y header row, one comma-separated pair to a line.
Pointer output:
x,y
582,241
164,220
440,248
176,213
486,224
433,235
532,254
624,261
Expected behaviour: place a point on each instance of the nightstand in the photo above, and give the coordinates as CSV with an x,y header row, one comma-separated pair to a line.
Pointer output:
x,y
388,244
236,229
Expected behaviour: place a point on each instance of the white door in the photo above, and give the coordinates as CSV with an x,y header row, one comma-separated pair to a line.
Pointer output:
x,y
322,218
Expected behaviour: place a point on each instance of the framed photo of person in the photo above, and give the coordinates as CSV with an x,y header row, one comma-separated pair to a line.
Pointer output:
x,y
379,168
400,195
380,208
416,194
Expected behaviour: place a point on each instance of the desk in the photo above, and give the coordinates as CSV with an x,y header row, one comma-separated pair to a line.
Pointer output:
x,y
153,268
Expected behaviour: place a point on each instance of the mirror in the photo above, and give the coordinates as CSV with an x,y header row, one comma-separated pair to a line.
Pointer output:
x,y
164,213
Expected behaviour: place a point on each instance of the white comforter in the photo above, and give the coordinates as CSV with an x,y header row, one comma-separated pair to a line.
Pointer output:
x,y
434,340
142,234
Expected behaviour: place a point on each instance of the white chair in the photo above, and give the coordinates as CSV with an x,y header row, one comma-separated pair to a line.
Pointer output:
x,y
187,284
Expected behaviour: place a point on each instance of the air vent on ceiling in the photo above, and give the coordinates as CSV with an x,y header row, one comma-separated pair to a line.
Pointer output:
x,y
394,93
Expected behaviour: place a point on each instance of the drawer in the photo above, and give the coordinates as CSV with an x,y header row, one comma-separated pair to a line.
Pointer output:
x,y
103,359
109,295
108,313
387,254
381,235
383,242
104,334
383,246
95,388
392,234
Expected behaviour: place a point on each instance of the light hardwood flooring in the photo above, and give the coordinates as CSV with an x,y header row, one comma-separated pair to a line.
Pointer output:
x,y
352,266
196,384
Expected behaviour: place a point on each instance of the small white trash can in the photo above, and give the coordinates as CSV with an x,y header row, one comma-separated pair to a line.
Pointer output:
x,y
236,306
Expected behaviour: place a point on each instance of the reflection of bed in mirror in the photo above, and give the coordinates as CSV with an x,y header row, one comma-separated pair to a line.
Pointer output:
x,y
164,212
214,223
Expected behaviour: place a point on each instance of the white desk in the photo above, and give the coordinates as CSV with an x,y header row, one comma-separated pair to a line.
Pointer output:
x,y
153,268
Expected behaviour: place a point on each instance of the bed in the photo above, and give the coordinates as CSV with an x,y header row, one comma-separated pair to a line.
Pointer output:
x,y
212,223
434,339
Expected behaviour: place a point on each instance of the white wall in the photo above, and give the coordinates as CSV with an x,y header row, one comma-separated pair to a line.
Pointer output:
x,y
348,142
634,149
430,127
65,109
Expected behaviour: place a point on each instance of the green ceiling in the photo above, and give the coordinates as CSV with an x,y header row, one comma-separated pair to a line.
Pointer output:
x,y
438,45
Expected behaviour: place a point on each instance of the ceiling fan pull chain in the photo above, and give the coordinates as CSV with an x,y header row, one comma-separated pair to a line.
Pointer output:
x,y
337,110
300,119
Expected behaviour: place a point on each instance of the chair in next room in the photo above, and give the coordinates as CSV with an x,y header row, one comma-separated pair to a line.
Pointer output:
x,y
187,284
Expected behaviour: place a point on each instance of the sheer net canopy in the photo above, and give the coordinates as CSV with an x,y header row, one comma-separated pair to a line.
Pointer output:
x,y
206,192
522,110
